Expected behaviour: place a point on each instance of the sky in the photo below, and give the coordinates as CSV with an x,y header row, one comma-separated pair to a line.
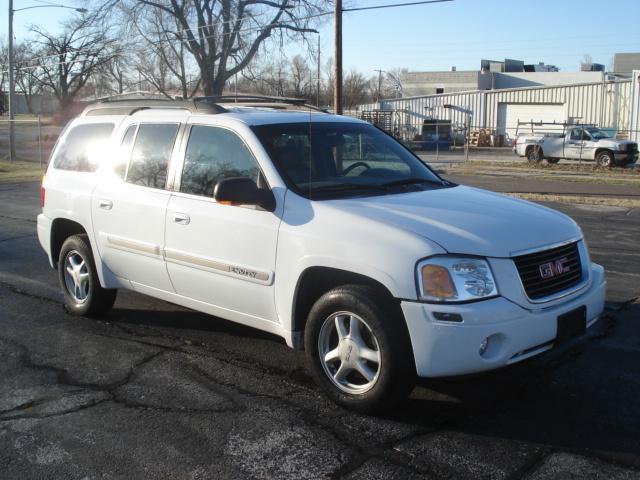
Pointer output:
x,y
438,36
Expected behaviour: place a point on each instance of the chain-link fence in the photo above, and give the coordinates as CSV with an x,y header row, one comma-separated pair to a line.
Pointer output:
x,y
447,141
34,137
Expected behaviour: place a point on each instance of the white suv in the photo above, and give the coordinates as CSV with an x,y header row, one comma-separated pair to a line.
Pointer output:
x,y
318,228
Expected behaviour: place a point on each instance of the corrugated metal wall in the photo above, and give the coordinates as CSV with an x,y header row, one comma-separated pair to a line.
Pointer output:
x,y
433,107
604,104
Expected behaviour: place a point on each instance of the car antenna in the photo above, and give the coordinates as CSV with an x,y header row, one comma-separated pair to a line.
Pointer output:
x,y
310,150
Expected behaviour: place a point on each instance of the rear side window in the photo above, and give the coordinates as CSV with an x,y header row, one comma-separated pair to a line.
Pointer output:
x,y
82,143
122,158
214,154
151,154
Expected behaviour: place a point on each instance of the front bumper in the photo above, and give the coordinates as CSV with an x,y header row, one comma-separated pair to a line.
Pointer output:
x,y
625,157
515,333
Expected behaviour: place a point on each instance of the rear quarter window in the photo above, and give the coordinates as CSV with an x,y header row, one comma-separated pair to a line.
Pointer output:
x,y
77,149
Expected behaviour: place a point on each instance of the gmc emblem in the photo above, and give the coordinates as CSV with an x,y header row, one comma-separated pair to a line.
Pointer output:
x,y
553,269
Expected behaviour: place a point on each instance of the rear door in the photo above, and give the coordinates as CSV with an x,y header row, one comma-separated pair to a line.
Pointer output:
x,y
129,205
222,255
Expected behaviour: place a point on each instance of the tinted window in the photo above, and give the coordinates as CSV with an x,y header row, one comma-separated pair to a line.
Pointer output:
x,y
81,143
343,158
121,160
576,134
214,154
151,155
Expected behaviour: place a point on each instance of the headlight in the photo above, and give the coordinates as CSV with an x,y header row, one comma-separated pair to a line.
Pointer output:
x,y
455,279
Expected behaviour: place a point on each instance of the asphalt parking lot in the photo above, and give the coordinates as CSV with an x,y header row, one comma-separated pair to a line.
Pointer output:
x,y
157,391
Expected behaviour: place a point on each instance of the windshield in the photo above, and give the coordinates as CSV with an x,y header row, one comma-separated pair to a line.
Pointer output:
x,y
597,134
335,159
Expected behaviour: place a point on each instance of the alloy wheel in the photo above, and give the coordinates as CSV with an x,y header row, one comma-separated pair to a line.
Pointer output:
x,y
76,277
349,353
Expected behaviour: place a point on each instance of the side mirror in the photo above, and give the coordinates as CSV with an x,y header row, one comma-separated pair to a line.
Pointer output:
x,y
243,191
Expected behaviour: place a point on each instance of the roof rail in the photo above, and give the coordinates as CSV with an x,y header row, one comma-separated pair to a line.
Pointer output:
x,y
251,98
129,107
260,101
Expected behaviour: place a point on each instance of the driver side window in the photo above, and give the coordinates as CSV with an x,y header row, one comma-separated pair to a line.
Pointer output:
x,y
576,134
214,154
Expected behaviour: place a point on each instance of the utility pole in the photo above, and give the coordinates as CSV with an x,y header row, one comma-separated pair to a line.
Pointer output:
x,y
337,87
12,144
379,83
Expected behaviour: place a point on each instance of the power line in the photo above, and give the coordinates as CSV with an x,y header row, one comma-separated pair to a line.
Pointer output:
x,y
391,5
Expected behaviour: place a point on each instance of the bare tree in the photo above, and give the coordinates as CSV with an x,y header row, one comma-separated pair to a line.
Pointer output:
x,y
224,36
26,61
269,77
326,95
73,55
115,73
300,78
4,60
355,90
164,64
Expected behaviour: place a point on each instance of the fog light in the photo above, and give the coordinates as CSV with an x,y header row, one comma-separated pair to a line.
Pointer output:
x,y
483,346
447,317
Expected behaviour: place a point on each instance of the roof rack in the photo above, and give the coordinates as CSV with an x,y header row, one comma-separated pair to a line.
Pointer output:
x,y
129,107
251,98
282,103
563,125
210,105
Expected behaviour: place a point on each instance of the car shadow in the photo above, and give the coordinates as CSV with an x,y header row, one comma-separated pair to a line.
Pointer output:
x,y
578,397
581,396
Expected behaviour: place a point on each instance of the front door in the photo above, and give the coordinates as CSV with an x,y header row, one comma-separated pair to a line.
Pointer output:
x,y
222,255
129,208
578,145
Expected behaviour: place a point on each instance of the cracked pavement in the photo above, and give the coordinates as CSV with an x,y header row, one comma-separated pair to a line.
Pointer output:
x,y
157,391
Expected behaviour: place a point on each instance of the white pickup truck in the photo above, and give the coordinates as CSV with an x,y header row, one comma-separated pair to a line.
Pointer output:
x,y
576,143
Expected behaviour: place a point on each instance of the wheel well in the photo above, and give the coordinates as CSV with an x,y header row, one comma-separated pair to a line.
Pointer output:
x,y
531,147
316,281
61,229
600,150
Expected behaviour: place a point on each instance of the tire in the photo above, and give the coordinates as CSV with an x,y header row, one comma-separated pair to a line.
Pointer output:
x,y
534,154
83,293
553,160
604,159
379,347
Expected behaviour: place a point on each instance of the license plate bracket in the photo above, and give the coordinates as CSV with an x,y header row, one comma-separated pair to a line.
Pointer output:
x,y
571,324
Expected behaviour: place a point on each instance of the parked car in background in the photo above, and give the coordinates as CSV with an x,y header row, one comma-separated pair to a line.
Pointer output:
x,y
318,228
577,143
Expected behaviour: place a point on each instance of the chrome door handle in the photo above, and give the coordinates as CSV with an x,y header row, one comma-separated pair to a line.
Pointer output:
x,y
105,204
181,218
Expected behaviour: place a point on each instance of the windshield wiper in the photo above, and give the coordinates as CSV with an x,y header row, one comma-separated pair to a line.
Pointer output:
x,y
413,181
348,186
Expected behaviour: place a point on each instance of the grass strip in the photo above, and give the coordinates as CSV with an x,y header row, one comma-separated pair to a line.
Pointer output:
x,y
18,172
583,200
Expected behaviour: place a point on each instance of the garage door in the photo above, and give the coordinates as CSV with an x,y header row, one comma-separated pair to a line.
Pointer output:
x,y
510,113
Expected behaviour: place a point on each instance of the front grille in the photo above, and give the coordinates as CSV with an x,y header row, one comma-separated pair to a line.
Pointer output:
x,y
632,147
550,271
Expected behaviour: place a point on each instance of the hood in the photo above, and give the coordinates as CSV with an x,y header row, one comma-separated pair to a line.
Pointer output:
x,y
468,220
613,142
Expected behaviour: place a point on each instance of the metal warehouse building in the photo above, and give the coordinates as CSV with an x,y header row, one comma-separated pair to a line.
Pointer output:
x,y
606,104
